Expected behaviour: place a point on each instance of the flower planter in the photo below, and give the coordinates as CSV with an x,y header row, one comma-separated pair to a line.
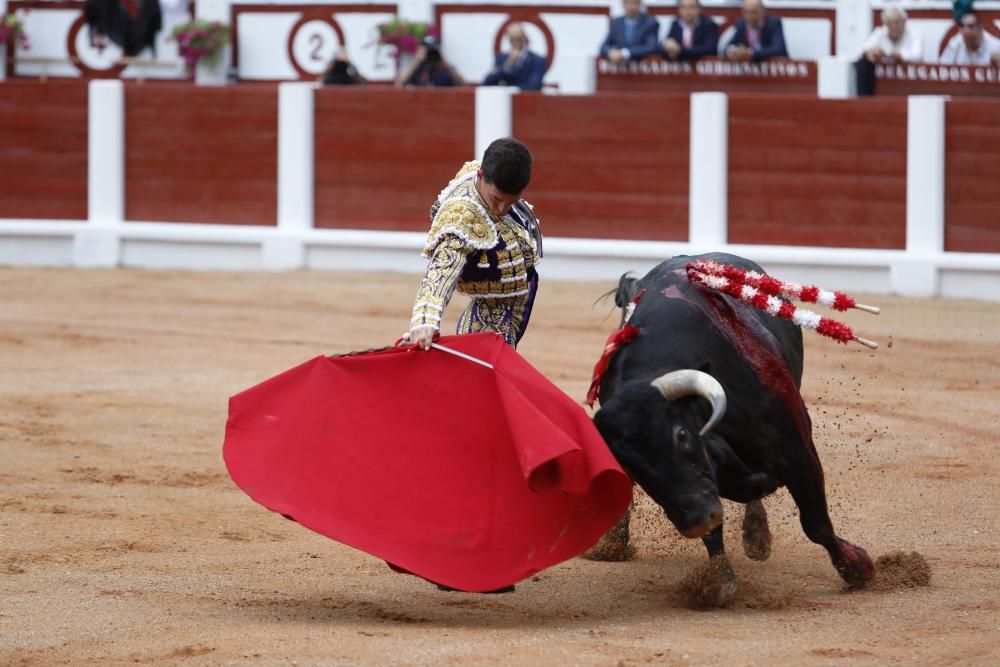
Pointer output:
x,y
202,46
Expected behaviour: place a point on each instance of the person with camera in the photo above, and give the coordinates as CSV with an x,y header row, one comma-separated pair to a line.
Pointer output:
x,y
340,71
429,68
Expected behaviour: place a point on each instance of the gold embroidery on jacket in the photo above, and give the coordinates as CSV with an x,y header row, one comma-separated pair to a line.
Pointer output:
x,y
438,284
461,217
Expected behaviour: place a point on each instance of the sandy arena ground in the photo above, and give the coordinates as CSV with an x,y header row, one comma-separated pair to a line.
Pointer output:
x,y
122,539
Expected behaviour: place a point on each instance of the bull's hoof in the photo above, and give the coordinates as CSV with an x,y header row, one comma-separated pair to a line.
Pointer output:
x,y
719,593
711,585
756,533
610,550
854,565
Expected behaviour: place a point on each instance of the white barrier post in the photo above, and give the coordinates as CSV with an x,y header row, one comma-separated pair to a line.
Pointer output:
x,y
494,115
215,74
853,25
835,80
98,244
708,190
917,273
579,74
3,51
296,177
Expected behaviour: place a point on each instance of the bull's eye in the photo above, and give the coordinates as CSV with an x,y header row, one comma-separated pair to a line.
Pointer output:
x,y
682,439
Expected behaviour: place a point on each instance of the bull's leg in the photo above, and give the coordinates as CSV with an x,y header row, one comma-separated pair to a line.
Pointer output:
x,y
735,480
852,562
719,586
756,534
613,545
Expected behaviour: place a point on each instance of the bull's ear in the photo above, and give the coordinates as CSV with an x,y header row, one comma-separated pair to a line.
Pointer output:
x,y
626,290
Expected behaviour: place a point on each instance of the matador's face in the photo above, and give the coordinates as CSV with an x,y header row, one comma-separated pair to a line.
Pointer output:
x,y
496,199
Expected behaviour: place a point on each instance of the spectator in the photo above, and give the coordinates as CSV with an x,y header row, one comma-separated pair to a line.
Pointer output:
x,y
893,42
890,43
758,35
691,34
521,67
972,45
429,68
340,71
131,25
633,36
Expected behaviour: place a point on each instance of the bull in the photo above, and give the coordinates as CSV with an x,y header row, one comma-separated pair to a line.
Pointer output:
x,y
704,404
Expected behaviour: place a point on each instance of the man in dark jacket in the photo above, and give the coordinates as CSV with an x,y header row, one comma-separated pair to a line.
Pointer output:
x,y
520,67
633,36
758,35
131,24
691,36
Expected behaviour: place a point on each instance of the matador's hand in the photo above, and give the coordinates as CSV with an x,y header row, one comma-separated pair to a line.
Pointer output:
x,y
421,336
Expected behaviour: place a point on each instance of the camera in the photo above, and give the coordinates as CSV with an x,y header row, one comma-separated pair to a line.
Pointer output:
x,y
432,50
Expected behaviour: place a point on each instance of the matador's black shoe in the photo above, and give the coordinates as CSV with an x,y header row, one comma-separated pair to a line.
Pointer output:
x,y
505,589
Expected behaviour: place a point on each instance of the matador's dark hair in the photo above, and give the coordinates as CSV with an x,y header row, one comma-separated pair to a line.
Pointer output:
x,y
507,165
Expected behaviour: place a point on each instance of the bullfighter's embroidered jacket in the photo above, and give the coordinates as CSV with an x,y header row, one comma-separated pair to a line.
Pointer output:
x,y
490,259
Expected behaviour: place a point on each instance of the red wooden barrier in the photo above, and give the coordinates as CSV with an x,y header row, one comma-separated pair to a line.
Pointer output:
x,y
608,166
43,150
201,154
972,171
804,171
383,155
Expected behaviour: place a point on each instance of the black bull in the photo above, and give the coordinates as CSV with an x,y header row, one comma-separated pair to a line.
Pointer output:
x,y
763,441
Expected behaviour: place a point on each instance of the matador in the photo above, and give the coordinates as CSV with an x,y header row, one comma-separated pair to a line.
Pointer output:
x,y
485,242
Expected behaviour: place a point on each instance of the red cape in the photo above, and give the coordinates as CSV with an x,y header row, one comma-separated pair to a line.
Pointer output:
x,y
468,476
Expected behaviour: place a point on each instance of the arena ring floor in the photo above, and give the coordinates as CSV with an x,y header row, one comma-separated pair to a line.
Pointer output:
x,y
123,541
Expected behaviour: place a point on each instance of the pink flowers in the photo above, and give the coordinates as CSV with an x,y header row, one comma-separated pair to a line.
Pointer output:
x,y
407,44
200,39
12,31
404,36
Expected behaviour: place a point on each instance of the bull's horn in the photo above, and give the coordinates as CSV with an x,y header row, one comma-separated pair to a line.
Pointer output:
x,y
676,384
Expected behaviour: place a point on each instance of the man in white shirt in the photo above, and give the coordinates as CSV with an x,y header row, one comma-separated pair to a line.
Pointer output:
x,y
889,44
972,45
892,42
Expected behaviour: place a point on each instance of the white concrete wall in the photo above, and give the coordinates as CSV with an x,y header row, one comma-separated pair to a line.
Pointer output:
x,y
922,269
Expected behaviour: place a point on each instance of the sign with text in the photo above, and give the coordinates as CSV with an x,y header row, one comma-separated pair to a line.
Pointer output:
x,y
940,79
784,76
